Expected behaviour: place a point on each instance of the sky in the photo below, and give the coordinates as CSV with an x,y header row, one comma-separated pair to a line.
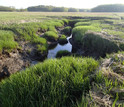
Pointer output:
x,y
65,3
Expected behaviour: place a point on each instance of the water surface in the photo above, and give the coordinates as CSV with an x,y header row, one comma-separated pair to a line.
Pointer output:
x,y
52,52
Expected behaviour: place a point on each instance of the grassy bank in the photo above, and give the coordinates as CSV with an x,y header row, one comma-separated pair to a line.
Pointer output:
x,y
56,82
106,36
68,81
32,32
7,41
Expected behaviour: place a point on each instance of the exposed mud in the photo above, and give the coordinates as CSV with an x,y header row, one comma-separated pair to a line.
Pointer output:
x,y
19,59
13,62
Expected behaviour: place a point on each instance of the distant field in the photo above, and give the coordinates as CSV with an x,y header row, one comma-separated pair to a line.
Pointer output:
x,y
22,17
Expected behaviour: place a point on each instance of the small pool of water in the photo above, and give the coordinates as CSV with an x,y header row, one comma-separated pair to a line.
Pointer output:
x,y
52,52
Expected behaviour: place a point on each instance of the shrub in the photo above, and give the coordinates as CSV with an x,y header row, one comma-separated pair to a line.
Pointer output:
x,y
67,30
63,53
51,36
63,40
55,82
94,42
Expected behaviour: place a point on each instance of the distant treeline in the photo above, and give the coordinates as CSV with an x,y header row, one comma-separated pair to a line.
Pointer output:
x,y
10,9
109,8
42,8
3,8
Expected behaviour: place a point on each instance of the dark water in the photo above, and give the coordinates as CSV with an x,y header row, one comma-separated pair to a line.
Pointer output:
x,y
52,52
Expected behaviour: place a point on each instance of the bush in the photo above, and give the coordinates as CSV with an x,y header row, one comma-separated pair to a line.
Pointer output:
x,y
55,83
67,31
63,40
51,36
95,43
63,53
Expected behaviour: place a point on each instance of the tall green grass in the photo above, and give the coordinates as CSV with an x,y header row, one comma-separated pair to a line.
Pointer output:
x,y
31,32
79,32
62,53
83,24
67,30
94,42
51,36
7,41
55,83
63,39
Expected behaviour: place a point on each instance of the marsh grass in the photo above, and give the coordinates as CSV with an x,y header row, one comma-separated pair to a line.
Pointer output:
x,y
83,24
79,32
63,39
94,42
51,36
56,82
7,41
67,30
122,46
62,53
119,34
31,32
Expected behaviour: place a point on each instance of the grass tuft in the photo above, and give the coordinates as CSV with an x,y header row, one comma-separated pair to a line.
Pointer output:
x,y
56,82
63,53
7,40
51,36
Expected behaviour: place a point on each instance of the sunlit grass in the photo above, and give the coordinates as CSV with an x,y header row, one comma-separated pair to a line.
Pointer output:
x,y
55,82
51,36
7,41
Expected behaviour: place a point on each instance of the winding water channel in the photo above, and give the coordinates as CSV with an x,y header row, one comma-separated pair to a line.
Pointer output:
x,y
52,52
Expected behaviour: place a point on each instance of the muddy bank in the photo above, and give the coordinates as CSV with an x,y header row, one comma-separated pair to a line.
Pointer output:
x,y
24,56
13,62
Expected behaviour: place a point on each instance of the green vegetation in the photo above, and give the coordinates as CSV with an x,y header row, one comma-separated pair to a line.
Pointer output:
x,y
7,40
31,32
51,36
82,24
94,42
74,21
66,81
42,8
79,32
4,8
122,46
63,53
56,82
119,34
67,30
73,10
109,8
63,39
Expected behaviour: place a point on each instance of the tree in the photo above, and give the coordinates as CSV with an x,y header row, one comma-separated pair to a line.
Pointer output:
x,y
109,8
